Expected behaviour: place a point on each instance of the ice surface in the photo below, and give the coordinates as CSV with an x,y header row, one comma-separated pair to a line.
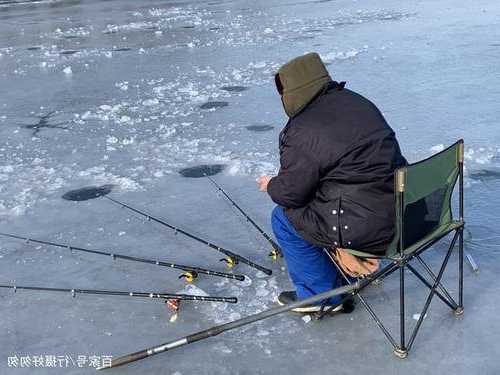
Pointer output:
x,y
96,93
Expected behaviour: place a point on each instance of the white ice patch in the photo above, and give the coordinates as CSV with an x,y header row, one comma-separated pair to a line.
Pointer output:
x,y
247,282
221,348
122,85
150,102
58,33
99,176
340,55
261,289
437,148
306,318
482,156
67,70
193,290
417,316
111,29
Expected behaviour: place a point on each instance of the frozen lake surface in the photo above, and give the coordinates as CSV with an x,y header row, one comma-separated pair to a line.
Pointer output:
x,y
138,95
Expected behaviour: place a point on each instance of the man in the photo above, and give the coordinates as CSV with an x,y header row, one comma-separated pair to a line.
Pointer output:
x,y
335,186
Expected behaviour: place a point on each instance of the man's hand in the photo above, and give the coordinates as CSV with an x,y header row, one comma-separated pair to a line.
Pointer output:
x,y
263,181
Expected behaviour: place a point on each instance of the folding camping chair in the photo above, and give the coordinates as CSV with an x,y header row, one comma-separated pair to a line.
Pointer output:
x,y
423,216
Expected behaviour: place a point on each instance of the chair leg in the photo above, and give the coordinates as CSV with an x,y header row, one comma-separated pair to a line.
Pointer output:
x,y
460,309
388,269
432,292
401,351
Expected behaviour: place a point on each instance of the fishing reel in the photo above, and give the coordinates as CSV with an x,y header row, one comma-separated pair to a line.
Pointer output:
x,y
275,254
189,276
230,261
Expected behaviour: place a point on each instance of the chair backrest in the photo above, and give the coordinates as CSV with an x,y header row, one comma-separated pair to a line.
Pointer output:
x,y
423,195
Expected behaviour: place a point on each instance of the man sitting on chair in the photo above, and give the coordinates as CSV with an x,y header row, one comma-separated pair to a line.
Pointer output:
x,y
335,186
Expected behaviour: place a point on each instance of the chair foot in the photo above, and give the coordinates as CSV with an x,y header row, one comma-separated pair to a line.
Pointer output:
x,y
459,311
400,353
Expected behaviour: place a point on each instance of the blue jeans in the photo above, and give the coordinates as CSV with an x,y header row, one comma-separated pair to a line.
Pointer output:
x,y
310,269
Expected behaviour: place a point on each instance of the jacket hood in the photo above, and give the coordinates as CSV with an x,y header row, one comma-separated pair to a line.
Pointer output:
x,y
300,81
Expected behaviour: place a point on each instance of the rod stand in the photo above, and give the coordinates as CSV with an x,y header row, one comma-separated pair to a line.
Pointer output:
x,y
471,261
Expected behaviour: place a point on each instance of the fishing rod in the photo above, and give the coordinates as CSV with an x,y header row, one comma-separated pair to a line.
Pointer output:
x,y
276,250
190,275
165,296
231,258
214,331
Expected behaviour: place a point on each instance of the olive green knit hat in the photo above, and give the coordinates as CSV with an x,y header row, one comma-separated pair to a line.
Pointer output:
x,y
300,80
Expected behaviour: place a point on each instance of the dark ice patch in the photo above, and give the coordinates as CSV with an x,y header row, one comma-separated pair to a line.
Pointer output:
x,y
215,28
88,192
188,27
69,52
71,37
202,170
259,128
210,105
123,49
485,175
44,122
34,48
234,88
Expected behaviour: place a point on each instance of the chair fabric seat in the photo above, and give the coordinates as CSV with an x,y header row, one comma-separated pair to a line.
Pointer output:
x,y
392,251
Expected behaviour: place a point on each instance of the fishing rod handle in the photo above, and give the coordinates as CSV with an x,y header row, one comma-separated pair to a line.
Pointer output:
x,y
227,275
126,359
267,271
189,297
167,296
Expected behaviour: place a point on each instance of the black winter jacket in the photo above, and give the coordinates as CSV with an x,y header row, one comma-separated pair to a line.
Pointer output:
x,y
336,181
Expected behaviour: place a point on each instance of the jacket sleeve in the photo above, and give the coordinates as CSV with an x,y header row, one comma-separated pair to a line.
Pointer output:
x,y
298,177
